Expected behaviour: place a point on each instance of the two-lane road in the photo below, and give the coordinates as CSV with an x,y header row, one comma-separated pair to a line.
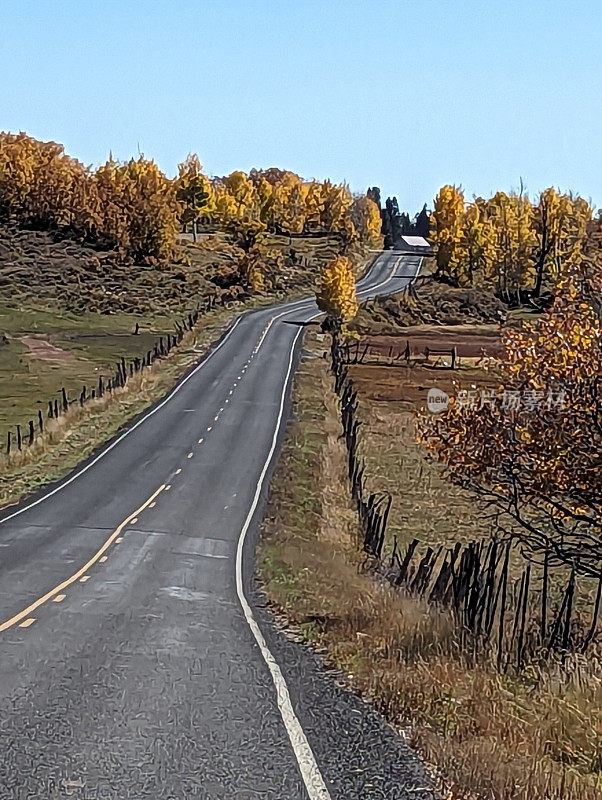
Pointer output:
x,y
133,664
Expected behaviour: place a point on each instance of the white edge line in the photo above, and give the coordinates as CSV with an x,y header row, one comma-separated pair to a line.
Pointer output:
x,y
308,766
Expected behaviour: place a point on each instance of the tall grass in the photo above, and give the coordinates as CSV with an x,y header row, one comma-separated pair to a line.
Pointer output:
x,y
514,736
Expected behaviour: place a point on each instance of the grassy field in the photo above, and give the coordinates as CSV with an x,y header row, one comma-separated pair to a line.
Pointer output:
x,y
73,311
80,431
536,734
45,350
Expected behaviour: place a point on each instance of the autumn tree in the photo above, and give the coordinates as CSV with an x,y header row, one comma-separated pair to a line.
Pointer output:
x,y
236,197
448,213
194,193
336,295
532,450
474,249
365,216
287,210
560,224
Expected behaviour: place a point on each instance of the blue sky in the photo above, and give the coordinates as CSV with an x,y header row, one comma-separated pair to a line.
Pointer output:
x,y
407,95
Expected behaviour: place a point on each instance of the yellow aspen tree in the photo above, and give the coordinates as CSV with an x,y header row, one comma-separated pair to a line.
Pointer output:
x,y
265,194
336,295
515,240
243,194
560,223
335,204
313,206
447,229
365,216
194,193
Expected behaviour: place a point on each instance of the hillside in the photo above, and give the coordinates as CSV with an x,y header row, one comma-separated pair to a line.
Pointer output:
x,y
42,267
69,312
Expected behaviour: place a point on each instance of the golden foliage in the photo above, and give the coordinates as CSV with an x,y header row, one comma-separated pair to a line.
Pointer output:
x,y
540,462
134,207
336,293
131,206
194,191
286,204
507,240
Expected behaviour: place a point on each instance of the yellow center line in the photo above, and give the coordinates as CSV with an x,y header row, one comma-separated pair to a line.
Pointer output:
x,y
80,572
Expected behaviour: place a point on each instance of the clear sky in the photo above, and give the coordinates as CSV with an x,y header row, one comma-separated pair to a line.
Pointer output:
x,y
406,95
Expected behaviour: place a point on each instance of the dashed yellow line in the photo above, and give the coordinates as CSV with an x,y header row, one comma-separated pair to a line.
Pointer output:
x,y
59,598
22,615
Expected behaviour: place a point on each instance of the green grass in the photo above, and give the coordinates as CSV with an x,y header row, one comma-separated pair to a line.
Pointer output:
x,y
89,345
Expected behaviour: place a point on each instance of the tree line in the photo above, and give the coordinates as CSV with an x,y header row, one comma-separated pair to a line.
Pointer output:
x,y
396,223
134,207
508,242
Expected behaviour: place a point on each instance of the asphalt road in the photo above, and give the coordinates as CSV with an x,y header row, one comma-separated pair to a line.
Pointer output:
x,y
134,661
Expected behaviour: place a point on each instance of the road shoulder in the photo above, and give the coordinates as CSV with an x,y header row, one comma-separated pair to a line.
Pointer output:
x,y
308,567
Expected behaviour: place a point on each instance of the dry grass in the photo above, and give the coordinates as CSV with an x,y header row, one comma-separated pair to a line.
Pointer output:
x,y
536,735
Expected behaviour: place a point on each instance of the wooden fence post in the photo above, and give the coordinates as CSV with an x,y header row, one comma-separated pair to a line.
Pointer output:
x,y
592,630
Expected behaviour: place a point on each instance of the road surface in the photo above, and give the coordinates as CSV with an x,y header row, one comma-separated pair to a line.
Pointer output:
x,y
134,661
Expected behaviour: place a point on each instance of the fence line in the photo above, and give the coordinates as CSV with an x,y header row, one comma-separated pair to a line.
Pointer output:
x,y
356,354
517,620
58,406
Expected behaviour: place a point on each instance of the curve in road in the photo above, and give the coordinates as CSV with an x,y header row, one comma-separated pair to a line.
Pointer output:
x,y
133,662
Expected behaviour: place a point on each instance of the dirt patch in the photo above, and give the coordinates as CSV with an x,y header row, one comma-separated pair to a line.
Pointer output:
x,y
41,348
476,343
384,372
